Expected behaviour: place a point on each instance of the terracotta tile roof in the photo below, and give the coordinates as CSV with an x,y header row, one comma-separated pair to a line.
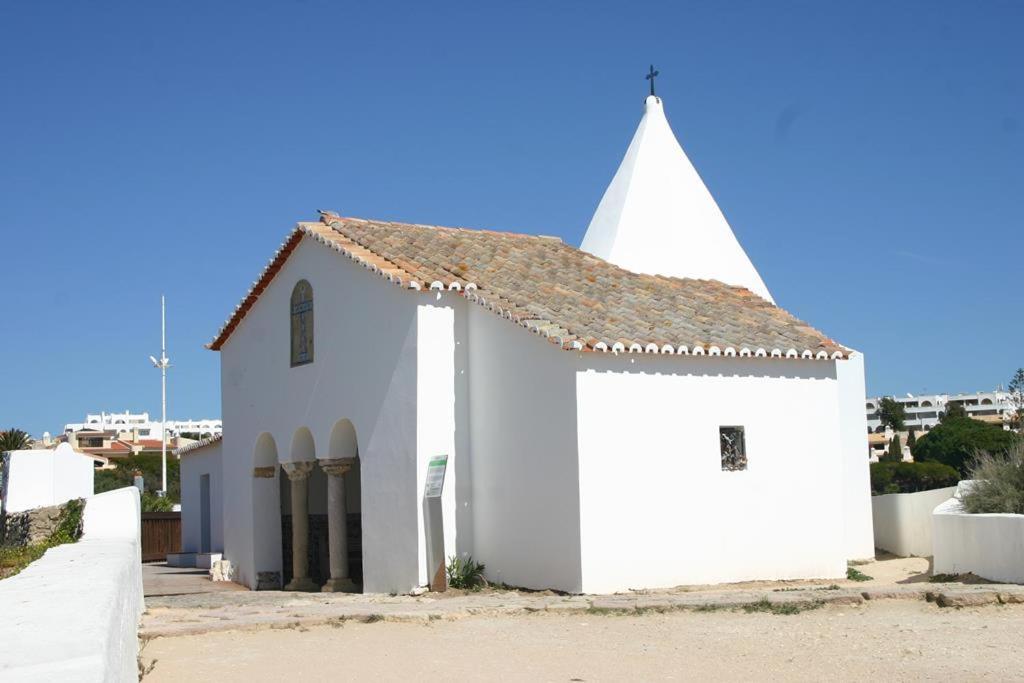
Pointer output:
x,y
576,300
197,445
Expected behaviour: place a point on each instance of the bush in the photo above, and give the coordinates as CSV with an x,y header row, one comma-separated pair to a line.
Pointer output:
x,y
998,483
465,574
956,440
153,503
911,477
894,452
68,530
124,470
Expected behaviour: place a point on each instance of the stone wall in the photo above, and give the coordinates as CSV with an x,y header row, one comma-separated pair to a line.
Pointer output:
x,y
30,526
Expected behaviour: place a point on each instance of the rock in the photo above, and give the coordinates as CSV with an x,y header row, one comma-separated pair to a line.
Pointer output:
x,y
222,570
966,598
31,526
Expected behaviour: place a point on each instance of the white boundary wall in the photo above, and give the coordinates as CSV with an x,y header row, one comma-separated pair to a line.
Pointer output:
x,y
989,545
42,478
903,521
74,613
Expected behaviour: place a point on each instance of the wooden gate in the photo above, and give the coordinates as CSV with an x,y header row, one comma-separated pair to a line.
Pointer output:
x,y
161,534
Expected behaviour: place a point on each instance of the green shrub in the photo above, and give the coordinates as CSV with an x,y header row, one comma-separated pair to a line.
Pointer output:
x,y
854,574
911,477
998,483
68,530
124,470
956,440
895,451
465,574
154,503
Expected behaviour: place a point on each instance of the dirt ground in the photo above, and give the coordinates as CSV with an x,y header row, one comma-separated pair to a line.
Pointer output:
x,y
886,640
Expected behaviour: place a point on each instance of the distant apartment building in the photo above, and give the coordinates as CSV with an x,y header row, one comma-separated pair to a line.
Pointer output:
x,y
140,425
924,412
115,435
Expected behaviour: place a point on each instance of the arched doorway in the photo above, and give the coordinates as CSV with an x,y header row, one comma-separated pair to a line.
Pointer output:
x,y
266,515
344,505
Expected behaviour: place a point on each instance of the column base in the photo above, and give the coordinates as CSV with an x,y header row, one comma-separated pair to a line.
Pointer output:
x,y
345,585
303,583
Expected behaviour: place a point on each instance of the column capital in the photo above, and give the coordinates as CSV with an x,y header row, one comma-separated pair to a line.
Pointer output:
x,y
298,471
266,472
337,467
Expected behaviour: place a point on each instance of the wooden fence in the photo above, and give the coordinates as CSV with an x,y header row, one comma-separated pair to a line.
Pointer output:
x,y
161,534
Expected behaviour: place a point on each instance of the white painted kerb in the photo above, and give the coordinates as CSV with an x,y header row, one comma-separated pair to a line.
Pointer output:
x,y
74,613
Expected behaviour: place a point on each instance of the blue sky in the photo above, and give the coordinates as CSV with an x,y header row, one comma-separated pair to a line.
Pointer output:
x,y
868,156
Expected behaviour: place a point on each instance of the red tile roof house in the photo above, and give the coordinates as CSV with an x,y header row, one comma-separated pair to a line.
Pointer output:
x,y
604,429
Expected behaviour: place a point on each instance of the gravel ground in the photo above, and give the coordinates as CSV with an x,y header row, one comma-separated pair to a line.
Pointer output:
x,y
887,640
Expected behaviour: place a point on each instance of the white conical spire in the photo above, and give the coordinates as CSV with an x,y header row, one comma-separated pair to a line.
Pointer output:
x,y
657,217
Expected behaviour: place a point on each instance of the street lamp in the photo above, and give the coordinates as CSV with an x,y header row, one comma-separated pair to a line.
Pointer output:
x,y
163,364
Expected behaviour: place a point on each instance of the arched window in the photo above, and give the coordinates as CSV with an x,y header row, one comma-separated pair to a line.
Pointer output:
x,y
302,323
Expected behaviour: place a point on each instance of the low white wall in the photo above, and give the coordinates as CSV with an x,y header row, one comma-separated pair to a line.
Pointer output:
x,y
903,521
74,613
38,478
989,545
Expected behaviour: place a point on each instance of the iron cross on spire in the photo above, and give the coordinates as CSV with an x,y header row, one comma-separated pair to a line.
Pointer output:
x,y
650,77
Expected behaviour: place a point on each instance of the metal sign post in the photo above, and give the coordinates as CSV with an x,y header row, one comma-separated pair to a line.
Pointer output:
x,y
434,521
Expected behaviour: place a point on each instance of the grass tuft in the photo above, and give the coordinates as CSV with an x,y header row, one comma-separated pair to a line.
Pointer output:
x,y
465,574
854,574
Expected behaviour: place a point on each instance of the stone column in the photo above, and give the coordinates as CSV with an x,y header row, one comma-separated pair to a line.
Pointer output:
x,y
337,525
298,474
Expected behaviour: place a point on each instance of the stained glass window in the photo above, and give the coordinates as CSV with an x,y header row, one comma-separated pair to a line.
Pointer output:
x,y
302,323
734,449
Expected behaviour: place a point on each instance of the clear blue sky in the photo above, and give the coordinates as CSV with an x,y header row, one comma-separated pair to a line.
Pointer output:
x,y
869,156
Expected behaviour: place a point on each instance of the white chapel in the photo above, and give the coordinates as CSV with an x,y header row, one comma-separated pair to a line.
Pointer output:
x,y
595,419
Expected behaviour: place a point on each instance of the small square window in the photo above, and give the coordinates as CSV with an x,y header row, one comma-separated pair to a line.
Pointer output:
x,y
734,449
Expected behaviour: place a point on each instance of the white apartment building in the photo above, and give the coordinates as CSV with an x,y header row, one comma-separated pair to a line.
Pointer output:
x,y
140,426
923,412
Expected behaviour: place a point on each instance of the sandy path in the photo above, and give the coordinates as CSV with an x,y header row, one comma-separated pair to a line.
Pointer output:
x,y
886,640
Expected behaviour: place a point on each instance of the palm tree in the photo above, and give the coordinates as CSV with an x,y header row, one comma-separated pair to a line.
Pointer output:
x,y
14,440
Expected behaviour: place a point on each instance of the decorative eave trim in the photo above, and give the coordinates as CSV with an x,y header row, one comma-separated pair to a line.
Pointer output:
x,y
202,443
323,233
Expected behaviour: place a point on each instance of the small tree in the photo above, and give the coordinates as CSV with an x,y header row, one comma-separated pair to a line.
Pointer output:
x,y
14,440
895,452
956,441
892,414
1017,397
911,441
953,411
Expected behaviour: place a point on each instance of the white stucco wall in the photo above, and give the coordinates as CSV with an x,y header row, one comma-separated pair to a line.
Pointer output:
x,y
194,464
522,409
38,478
858,535
435,414
73,614
364,370
989,545
903,521
656,507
